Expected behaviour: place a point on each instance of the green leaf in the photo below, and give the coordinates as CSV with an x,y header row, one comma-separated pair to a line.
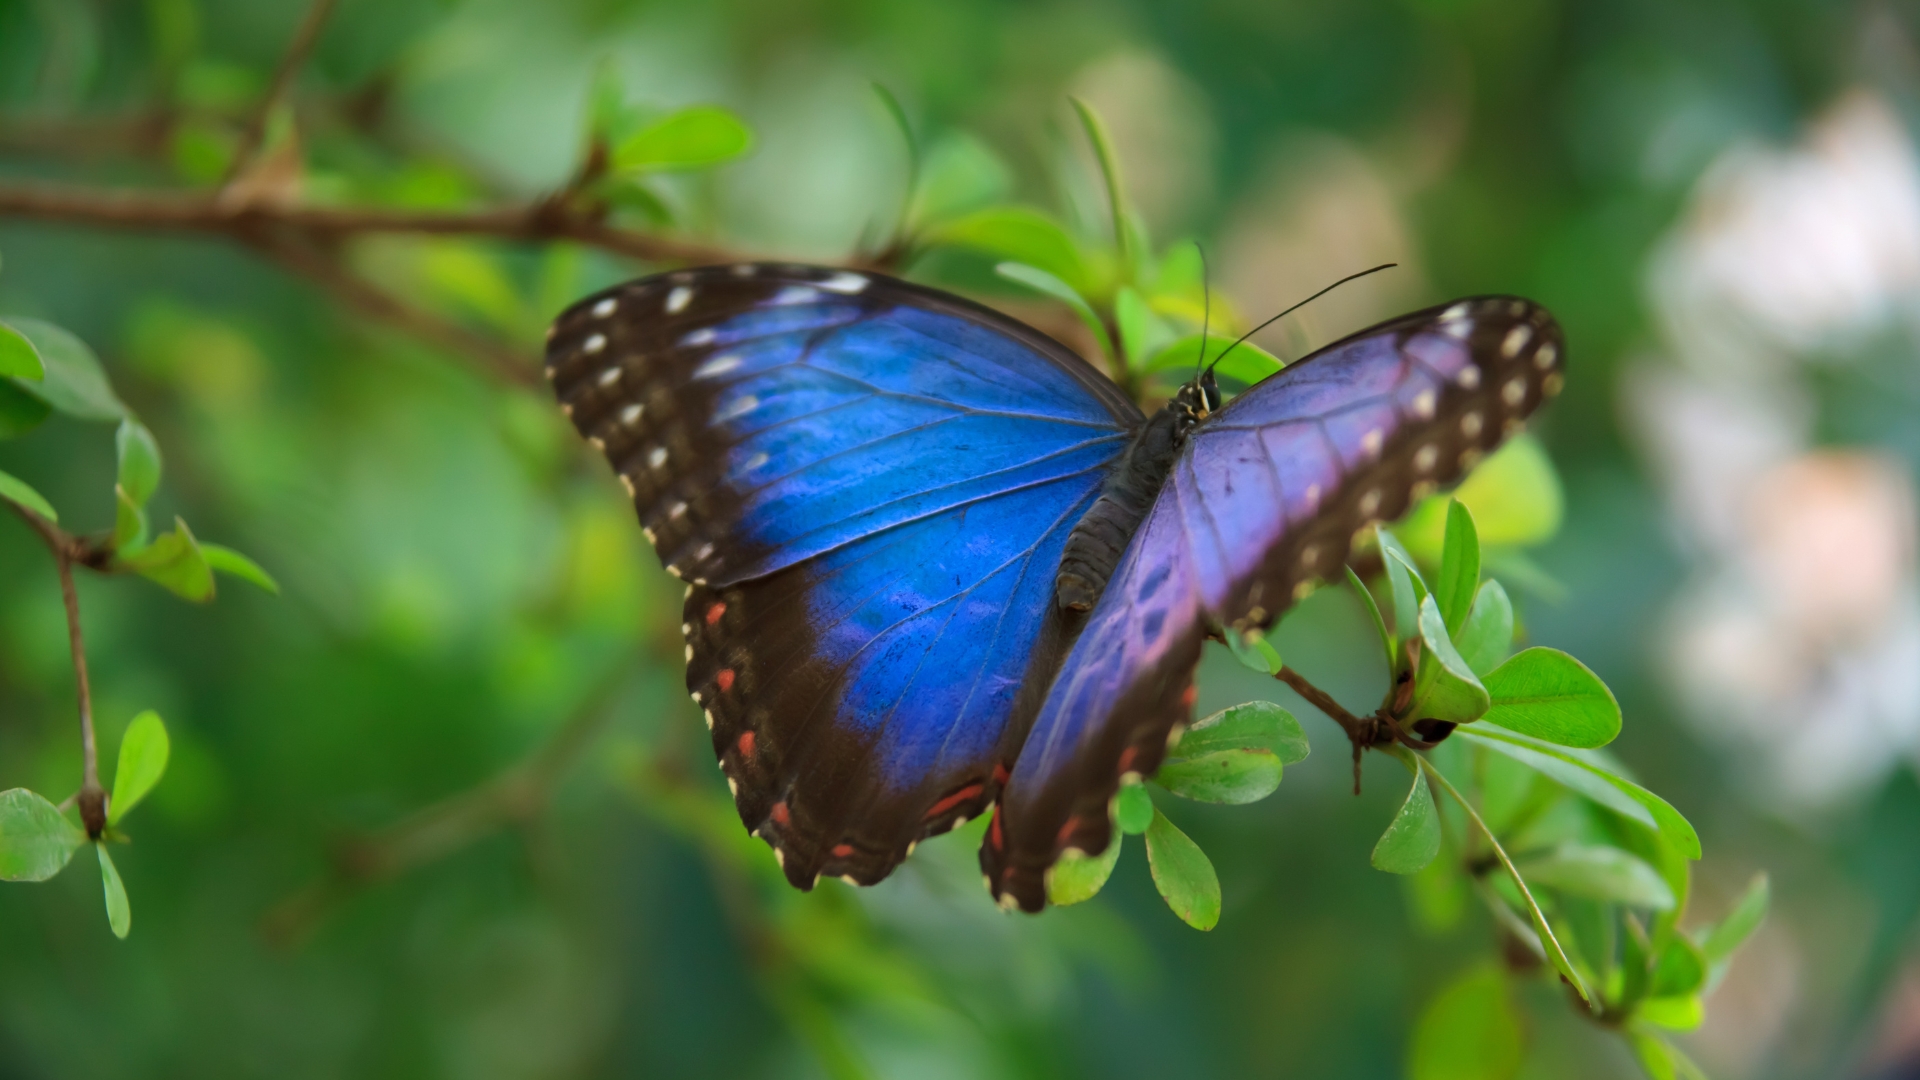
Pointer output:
x,y
1142,332
75,383
1719,942
1183,874
16,490
1041,281
1488,633
1599,872
1110,172
1379,624
1017,234
1549,695
1680,969
1412,839
693,138
1549,945
1233,777
119,913
1467,1032
129,523
1515,497
1252,648
1445,688
143,760
1655,1055
20,412
1254,725
1673,1013
1133,808
1459,568
1247,363
228,561
1636,960
1408,588
1582,776
175,561
959,175
1077,876
139,460
36,839
18,358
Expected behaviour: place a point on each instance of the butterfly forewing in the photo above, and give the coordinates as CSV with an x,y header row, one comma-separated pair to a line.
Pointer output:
x,y
867,486
1264,500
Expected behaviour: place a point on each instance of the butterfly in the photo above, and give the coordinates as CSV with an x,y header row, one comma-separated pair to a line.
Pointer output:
x,y
939,565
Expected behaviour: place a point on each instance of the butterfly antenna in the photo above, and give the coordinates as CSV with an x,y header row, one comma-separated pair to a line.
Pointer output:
x,y
1243,337
1206,310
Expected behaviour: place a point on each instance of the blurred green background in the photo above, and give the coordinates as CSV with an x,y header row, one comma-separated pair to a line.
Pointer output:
x,y
1718,199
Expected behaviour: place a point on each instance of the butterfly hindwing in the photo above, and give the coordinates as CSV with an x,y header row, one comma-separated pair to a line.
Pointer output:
x,y
1264,499
867,486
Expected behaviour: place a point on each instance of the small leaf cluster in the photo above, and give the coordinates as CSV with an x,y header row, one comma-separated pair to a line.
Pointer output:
x,y
630,146
45,370
1583,869
1233,757
37,839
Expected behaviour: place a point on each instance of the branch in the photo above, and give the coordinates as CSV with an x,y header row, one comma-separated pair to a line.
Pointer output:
x,y
1362,732
67,550
291,62
513,797
198,212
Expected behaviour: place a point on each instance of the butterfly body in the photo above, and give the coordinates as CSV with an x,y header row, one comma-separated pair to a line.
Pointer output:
x,y
936,563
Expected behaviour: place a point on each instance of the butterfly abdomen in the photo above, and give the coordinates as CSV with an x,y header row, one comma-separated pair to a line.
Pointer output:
x,y
1101,535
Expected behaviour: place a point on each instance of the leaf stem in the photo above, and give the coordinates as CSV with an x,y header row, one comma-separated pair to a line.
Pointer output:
x,y
290,64
1547,939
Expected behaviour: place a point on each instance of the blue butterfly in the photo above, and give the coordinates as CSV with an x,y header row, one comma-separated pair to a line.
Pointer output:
x,y
937,563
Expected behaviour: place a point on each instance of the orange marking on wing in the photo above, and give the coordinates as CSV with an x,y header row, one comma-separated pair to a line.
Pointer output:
x,y
955,799
1066,831
714,612
993,834
841,851
725,679
1000,773
746,745
1126,758
779,814
1191,695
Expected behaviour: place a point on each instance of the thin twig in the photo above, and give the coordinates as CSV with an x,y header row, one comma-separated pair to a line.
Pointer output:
x,y
291,62
171,211
66,550
1362,732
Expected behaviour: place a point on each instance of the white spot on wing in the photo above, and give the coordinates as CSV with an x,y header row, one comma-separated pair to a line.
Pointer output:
x,y
719,365
795,294
845,282
1469,377
1369,502
1516,340
609,376
738,407
702,336
1470,425
1515,391
630,415
1546,356
1423,404
679,511
594,344
678,299
1370,442
1425,457
657,457
605,307
744,269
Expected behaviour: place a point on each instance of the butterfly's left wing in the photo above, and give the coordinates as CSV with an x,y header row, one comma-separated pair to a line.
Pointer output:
x,y
1265,498
867,485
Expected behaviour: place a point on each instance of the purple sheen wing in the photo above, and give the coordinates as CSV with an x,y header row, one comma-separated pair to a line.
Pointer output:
x,y
1265,498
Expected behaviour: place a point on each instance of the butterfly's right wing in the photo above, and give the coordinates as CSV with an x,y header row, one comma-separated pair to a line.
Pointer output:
x,y
1265,498
867,485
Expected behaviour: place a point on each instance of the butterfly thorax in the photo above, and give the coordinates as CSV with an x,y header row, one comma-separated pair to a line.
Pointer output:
x,y
1098,539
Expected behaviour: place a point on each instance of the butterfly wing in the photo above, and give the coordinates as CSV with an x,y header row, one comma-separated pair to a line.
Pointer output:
x,y
1265,497
867,486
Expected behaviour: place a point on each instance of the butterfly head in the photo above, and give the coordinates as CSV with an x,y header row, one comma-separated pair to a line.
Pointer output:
x,y
1195,401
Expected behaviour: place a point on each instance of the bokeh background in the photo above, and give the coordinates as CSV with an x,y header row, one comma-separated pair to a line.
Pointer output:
x,y
1720,200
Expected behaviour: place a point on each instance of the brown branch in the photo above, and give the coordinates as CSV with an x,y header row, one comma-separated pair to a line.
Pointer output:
x,y
197,212
291,62
1362,732
514,797
67,550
